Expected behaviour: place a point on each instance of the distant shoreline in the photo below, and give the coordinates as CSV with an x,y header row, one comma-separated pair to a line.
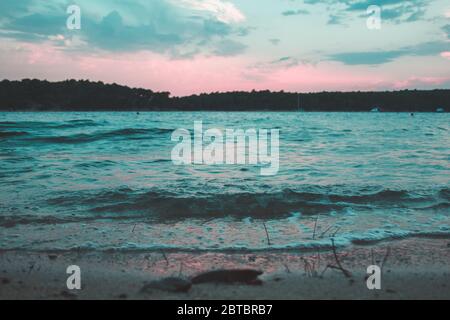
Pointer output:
x,y
86,96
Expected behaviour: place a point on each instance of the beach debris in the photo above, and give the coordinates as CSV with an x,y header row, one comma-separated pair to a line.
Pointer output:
x,y
391,291
386,256
180,272
338,265
165,257
315,227
267,234
286,267
311,266
171,284
277,279
68,295
326,230
245,276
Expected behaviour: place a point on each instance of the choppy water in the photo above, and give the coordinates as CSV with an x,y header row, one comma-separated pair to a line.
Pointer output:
x,y
104,181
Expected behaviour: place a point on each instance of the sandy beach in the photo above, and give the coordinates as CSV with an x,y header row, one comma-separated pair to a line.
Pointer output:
x,y
412,269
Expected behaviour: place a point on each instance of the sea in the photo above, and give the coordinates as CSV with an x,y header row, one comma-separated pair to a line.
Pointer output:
x,y
105,181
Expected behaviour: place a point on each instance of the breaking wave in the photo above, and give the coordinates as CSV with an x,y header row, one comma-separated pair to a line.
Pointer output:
x,y
170,205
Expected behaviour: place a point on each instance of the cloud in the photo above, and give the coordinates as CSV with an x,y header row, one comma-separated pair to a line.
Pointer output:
x,y
368,58
364,4
394,11
111,33
214,27
285,62
275,41
446,29
381,57
10,8
427,48
295,12
174,27
398,12
224,11
445,55
229,48
37,25
422,82
335,19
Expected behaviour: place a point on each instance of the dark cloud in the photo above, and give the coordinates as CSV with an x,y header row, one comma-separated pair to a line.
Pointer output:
x,y
402,11
295,12
364,4
335,19
286,62
367,58
381,57
283,59
394,11
111,33
38,25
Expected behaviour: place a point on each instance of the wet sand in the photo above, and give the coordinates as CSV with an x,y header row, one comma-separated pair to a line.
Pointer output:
x,y
414,268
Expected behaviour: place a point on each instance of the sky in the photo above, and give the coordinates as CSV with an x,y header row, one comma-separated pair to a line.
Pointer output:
x,y
193,46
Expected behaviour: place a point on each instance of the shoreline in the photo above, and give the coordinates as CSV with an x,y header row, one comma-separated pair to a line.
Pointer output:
x,y
415,268
85,94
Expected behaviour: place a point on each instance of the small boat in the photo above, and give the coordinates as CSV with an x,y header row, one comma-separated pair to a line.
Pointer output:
x,y
440,110
375,110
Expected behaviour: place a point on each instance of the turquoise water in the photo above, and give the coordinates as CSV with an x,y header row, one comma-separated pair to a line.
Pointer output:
x,y
102,181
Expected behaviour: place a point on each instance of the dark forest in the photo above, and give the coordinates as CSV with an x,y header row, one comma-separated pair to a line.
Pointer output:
x,y
84,95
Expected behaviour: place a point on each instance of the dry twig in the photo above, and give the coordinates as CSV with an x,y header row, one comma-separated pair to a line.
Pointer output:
x,y
267,234
338,263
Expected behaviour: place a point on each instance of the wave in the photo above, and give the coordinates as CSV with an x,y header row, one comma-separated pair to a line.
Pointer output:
x,y
245,204
385,236
383,195
42,125
129,134
9,134
13,221
298,246
312,246
436,206
171,205
445,193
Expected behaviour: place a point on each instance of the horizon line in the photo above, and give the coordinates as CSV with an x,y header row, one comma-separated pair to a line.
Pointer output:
x,y
222,92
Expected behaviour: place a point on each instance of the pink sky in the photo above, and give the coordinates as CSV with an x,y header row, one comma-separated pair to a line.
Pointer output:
x,y
202,73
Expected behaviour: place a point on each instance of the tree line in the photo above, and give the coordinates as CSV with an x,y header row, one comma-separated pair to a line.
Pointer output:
x,y
84,95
